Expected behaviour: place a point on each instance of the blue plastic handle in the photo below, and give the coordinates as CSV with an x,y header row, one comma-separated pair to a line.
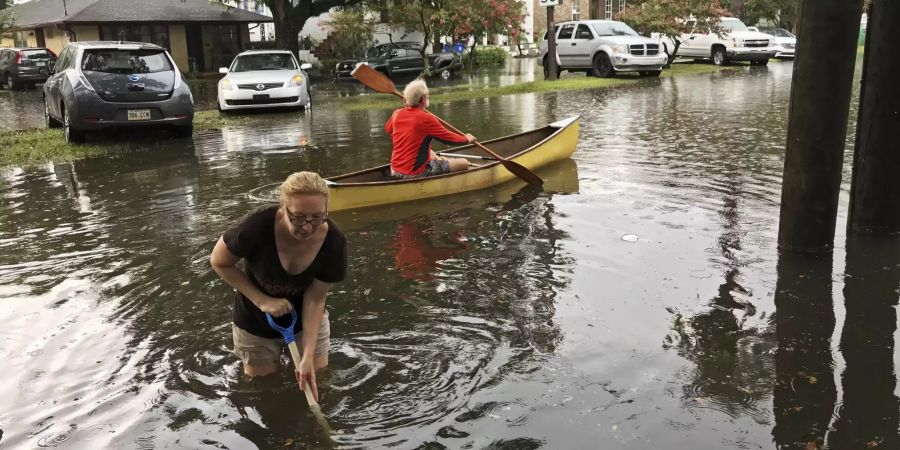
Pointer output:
x,y
286,332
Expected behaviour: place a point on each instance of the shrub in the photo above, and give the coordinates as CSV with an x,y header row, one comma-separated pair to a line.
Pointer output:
x,y
490,56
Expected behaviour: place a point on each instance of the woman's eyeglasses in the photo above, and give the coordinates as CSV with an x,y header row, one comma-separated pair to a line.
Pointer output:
x,y
299,221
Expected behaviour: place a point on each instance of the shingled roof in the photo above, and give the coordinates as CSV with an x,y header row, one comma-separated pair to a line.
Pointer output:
x,y
42,12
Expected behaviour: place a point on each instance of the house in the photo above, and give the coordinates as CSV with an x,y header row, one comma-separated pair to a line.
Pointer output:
x,y
201,35
576,10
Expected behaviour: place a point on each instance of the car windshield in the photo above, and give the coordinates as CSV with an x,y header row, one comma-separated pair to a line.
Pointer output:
x,y
731,25
125,61
780,32
377,52
613,29
36,54
264,61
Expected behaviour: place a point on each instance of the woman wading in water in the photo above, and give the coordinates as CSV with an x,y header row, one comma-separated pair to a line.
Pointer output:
x,y
292,255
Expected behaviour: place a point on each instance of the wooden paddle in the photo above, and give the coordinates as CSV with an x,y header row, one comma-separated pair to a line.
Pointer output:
x,y
378,82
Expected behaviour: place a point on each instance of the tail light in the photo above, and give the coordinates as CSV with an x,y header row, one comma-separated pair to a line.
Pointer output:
x,y
18,57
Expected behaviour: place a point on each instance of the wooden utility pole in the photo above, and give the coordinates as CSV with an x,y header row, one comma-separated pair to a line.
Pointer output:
x,y
551,38
817,127
875,191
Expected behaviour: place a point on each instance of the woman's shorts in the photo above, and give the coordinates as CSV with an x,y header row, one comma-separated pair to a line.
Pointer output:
x,y
432,168
254,350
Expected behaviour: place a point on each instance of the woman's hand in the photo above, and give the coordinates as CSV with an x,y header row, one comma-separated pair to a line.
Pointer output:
x,y
277,307
306,375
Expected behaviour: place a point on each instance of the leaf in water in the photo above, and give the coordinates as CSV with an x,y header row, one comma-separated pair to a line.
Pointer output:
x,y
811,446
873,443
288,442
812,379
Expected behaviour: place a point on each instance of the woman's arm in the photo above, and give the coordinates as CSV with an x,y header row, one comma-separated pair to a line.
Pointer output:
x,y
225,264
313,310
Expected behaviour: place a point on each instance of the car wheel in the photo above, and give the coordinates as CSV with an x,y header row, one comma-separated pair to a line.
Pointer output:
x,y
73,136
719,56
445,74
48,119
603,67
183,131
8,81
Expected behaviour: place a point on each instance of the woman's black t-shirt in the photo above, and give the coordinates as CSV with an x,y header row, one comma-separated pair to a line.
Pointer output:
x,y
253,239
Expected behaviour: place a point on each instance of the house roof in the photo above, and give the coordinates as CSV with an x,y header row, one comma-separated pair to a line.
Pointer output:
x,y
42,12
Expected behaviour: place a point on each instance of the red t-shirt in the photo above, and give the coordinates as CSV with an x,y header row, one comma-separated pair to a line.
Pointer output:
x,y
412,130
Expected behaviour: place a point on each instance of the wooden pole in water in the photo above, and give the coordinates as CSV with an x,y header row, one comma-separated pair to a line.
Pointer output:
x,y
817,128
875,192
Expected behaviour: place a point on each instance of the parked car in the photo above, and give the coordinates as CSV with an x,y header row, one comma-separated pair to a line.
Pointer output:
x,y
603,48
399,59
782,41
733,41
264,79
25,66
97,85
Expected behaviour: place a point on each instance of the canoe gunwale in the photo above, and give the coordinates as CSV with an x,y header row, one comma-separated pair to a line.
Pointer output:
x,y
559,127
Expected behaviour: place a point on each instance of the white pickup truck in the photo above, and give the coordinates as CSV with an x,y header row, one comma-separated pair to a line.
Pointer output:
x,y
735,43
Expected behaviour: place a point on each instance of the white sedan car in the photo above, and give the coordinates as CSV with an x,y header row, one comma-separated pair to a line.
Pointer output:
x,y
783,41
264,79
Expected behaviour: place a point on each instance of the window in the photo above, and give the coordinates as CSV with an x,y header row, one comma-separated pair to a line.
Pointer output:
x,y
36,54
613,29
566,31
63,61
609,9
125,61
621,5
20,39
555,28
156,34
264,61
732,25
576,10
583,32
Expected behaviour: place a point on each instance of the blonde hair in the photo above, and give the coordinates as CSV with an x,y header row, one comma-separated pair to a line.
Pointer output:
x,y
414,92
303,183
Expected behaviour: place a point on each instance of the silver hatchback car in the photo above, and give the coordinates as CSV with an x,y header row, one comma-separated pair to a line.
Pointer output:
x,y
97,85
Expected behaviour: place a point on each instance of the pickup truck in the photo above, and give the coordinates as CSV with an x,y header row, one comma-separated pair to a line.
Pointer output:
x,y
732,41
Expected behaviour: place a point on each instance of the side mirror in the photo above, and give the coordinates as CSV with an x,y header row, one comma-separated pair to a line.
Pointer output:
x,y
305,66
223,70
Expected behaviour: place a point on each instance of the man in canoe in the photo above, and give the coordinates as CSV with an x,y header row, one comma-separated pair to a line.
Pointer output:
x,y
412,129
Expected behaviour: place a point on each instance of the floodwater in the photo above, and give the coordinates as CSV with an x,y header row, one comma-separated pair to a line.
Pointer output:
x,y
638,302
23,109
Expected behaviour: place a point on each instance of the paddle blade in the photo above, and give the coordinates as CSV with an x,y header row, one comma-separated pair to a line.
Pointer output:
x,y
374,80
522,172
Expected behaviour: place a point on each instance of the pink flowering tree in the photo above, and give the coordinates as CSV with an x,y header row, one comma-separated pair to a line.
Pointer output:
x,y
479,18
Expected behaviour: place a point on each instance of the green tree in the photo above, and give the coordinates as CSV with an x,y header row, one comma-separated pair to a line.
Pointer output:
x,y
421,16
670,18
783,13
7,19
290,16
480,18
355,31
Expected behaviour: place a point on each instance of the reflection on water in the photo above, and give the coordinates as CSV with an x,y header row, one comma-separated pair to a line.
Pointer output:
x,y
504,318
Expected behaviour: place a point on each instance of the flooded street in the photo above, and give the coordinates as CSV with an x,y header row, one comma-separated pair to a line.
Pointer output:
x,y
630,305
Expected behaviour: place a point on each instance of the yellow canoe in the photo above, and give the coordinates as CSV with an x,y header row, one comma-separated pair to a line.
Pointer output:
x,y
532,149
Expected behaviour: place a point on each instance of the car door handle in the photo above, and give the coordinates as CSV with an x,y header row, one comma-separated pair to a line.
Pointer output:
x,y
574,44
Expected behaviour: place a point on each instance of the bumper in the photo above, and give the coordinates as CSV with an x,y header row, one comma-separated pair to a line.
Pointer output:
x,y
784,52
750,54
93,113
631,63
35,77
270,98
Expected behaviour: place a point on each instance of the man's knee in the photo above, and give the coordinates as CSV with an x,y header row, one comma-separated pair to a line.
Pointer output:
x,y
260,370
458,164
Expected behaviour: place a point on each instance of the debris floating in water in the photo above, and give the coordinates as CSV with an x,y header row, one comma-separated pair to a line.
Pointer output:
x,y
630,238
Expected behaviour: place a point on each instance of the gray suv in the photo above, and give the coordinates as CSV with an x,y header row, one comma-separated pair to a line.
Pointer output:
x,y
97,85
24,66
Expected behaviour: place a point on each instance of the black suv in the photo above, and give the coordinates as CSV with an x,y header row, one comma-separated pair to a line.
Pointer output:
x,y
25,66
399,59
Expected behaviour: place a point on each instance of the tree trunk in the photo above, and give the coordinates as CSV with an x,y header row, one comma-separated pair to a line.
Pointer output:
x,y
674,52
286,36
436,47
472,53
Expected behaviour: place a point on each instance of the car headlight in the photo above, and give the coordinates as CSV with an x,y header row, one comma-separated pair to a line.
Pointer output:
x,y
738,42
226,85
296,81
621,48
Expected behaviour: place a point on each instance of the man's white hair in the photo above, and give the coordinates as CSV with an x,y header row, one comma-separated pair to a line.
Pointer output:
x,y
414,92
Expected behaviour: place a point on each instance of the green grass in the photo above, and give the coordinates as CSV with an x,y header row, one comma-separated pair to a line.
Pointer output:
x,y
34,146
568,82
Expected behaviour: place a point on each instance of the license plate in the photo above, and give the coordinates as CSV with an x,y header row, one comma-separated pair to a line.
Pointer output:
x,y
138,114
261,97
41,64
